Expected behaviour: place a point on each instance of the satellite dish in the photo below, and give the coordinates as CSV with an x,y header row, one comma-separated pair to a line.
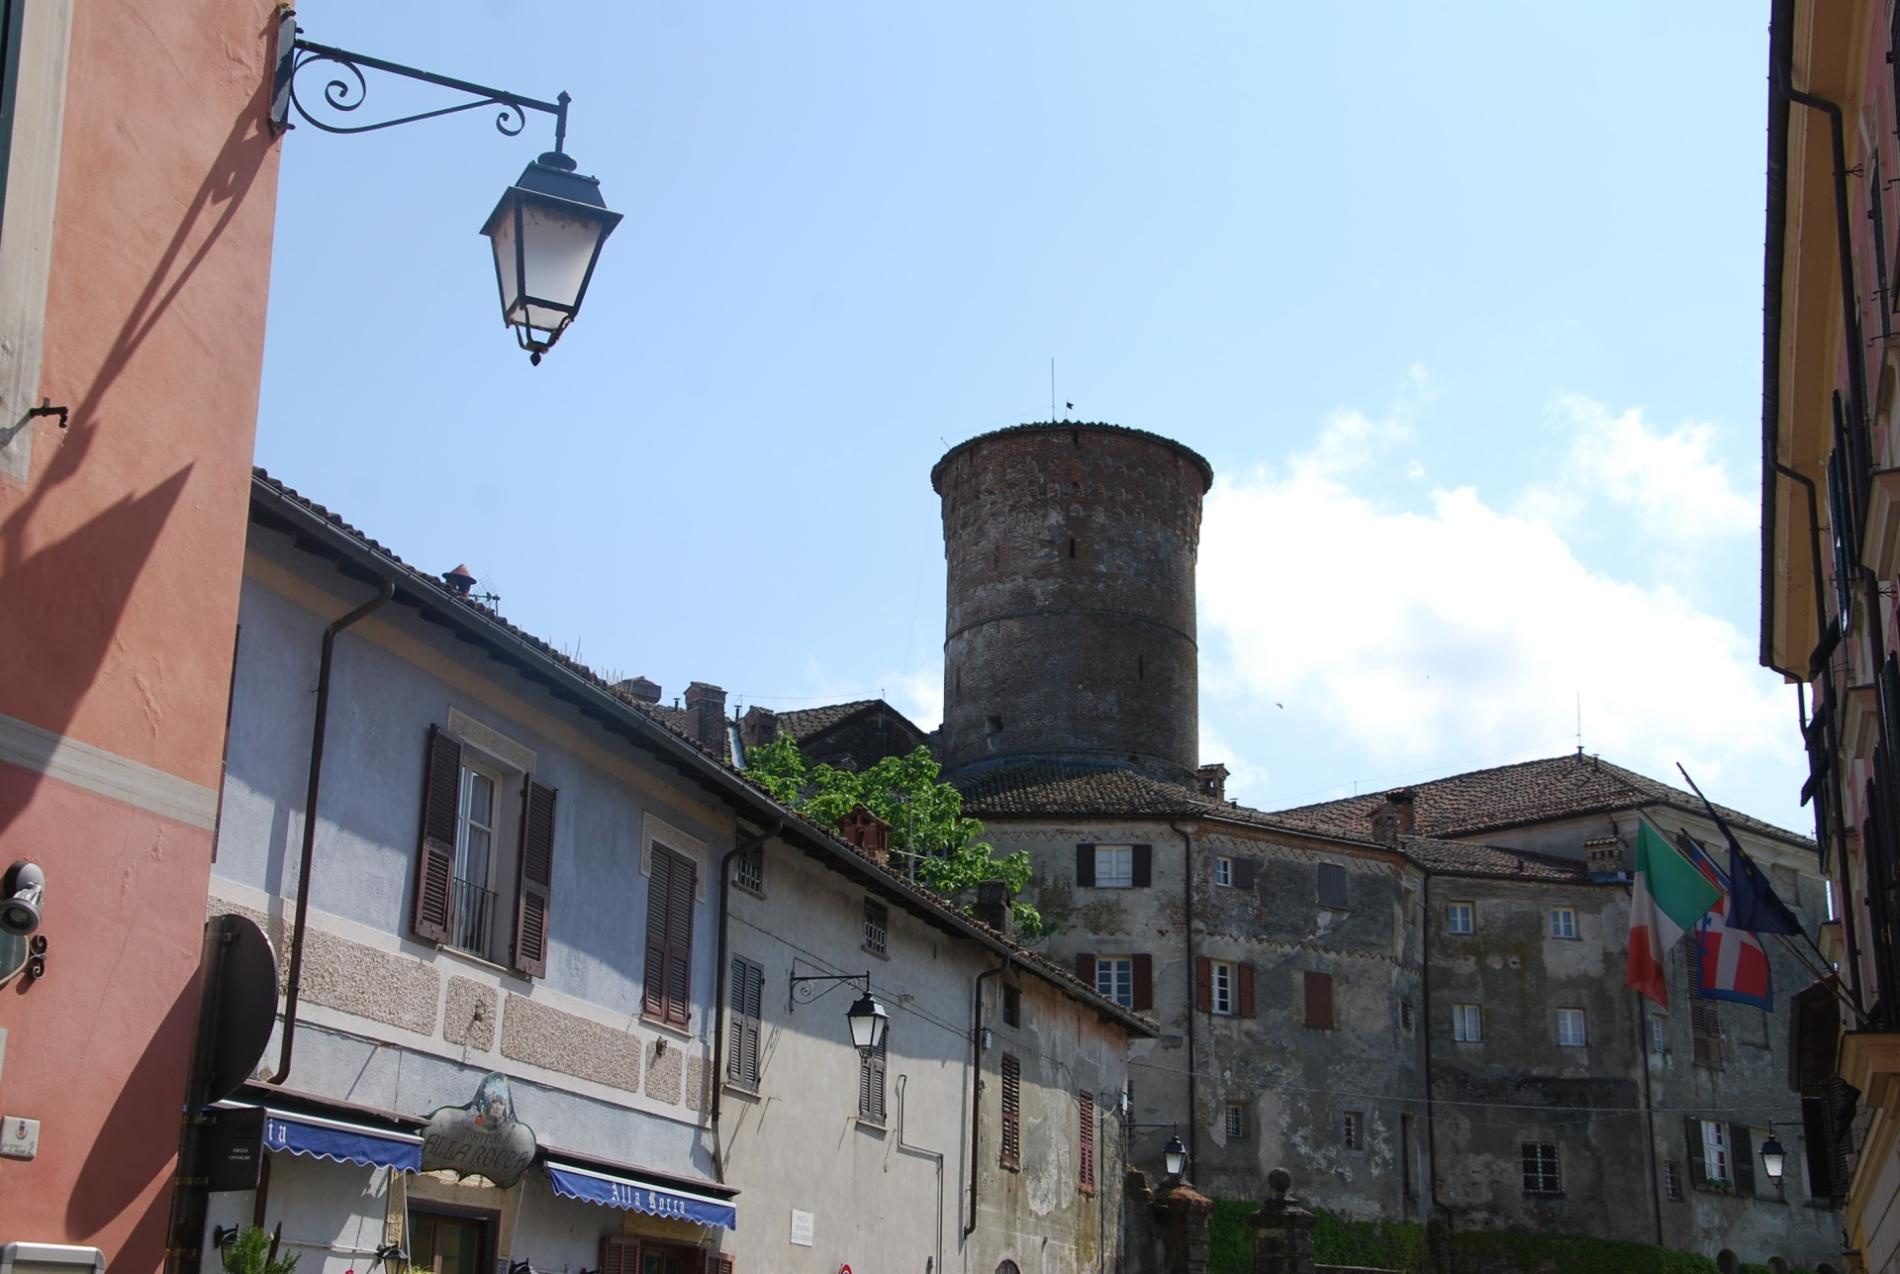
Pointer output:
x,y
238,1007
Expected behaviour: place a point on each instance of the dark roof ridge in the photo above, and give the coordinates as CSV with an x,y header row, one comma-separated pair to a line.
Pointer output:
x,y
1062,426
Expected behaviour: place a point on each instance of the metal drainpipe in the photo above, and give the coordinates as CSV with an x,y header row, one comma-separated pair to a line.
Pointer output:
x,y
719,988
976,1082
1187,894
1425,1026
903,1082
385,591
1649,1112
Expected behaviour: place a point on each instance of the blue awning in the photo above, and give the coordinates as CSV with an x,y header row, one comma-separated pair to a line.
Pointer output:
x,y
633,1195
335,1140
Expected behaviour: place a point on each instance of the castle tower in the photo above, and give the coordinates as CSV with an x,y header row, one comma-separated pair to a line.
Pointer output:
x,y
1070,627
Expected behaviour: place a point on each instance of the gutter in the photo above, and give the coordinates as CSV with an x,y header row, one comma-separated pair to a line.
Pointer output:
x,y
743,846
294,977
976,1084
1780,56
592,699
1187,894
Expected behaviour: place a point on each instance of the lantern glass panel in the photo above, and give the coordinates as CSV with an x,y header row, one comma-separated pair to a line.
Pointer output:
x,y
558,246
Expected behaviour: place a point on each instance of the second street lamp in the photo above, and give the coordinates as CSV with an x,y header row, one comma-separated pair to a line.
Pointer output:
x,y
1774,1157
867,1017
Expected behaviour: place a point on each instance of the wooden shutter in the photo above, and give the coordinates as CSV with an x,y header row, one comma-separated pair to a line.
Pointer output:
x,y
1085,967
1144,969
742,1060
435,854
679,941
1143,857
1698,1163
1741,1153
1244,871
619,1256
534,882
1332,886
1203,984
1085,1143
1319,1000
722,1263
659,881
1085,865
1011,1154
871,1081
1246,991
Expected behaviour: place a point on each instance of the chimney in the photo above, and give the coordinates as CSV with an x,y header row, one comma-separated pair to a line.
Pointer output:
x,y
706,716
639,688
1212,780
868,832
1402,802
993,909
1604,855
1394,817
460,582
759,725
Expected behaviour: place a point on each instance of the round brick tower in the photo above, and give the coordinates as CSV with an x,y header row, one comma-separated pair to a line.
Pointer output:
x,y
1070,629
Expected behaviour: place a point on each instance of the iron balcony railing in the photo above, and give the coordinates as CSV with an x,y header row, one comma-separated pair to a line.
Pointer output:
x,y
471,915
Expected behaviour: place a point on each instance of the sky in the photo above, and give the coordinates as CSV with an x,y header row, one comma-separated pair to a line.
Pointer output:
x,y
1463,303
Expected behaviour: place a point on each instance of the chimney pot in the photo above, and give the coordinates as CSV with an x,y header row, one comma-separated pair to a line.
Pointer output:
x,y
869,833
706,716
992,907
1213,781
460,582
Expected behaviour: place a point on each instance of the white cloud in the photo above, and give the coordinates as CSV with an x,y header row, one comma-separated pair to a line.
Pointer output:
x,y
1460,630
1674,485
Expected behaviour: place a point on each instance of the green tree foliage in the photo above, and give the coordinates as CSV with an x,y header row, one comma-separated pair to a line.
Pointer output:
x,y
253,1252
926,817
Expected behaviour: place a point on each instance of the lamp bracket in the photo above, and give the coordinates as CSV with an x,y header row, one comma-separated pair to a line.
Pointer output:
x,y
803,992
341,95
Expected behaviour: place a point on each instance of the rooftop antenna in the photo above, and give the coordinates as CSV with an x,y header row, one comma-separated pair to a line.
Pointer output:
x,y
1579,723
1052,391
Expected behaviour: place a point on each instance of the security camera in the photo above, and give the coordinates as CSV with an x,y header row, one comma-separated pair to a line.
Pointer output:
x,y
20,898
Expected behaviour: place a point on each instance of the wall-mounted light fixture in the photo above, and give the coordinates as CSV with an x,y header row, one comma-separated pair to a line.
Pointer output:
x,y
548,228
1774,1157
1174,1156
867,1017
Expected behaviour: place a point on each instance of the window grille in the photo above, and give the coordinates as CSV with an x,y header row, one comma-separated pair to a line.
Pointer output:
x,y
1541,1175
748,871
1236,1122
877,922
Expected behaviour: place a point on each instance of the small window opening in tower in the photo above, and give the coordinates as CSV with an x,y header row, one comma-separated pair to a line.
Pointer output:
x,y
1075,437
1072,547
996,725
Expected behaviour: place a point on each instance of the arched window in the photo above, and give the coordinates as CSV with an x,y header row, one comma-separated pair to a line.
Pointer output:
x,y
1007,1267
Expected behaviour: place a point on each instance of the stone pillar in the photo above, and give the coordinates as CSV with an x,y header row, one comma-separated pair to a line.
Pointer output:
x,y
1282,1231
1139,1238
1184,1213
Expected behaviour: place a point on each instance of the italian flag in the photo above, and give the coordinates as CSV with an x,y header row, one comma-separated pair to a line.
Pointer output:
x,y
1669,896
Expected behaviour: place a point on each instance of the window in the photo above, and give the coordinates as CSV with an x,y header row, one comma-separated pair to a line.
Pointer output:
x,y
1461,917
1467,1025
1223,988
1352,1130
482,853
1319,1000
1012,1005
1705,1025
1114,866
1085,1143
1672,1180
871,1080
1115,980
1540,1168
877,927
1236,1124
1711,1140
1658,1035
669,954
1563,922
1010,1154
1570,1028
1332,886
1405,1015
748,871
742,1056
1224,871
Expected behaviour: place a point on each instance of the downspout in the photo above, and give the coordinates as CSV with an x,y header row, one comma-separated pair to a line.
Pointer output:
x,y
1649,1112
294,978
719,989
976,1082
1187,895
936,1156
1425,1025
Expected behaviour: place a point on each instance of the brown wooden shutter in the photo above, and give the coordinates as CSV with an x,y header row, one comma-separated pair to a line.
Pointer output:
x,y
1246,991
1319,1000
1085,865
1698,1165
535,880
871,1081
1244,872
722,1263
619,1256
742,1065
1741,1153
435,854
679,942
1085,966
1143,866
1085,1149
1204,984
659,878
1011,1154
1144,970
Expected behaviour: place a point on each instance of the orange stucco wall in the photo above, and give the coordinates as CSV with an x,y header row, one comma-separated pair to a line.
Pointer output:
x,y
120,563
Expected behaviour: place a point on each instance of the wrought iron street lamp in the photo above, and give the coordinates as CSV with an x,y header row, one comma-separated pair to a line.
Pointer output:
x,y
868,1020
548,228
1774,1157
1174,1156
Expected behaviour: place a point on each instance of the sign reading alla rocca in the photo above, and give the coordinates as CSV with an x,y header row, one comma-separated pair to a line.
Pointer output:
x,y
482,1138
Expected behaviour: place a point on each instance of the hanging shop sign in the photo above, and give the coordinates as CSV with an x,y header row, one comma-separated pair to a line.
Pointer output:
x,y
482,1138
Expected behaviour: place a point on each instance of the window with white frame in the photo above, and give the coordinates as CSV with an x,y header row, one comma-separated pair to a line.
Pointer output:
x,y
1223,871
1541,1173
1221,983
1563,922
1461,917
1114,866
1115,979
1467,1023
1570,1028
1715,1165
472,910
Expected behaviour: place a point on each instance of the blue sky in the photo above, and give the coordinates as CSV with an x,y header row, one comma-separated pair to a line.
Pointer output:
x,y
1463,304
